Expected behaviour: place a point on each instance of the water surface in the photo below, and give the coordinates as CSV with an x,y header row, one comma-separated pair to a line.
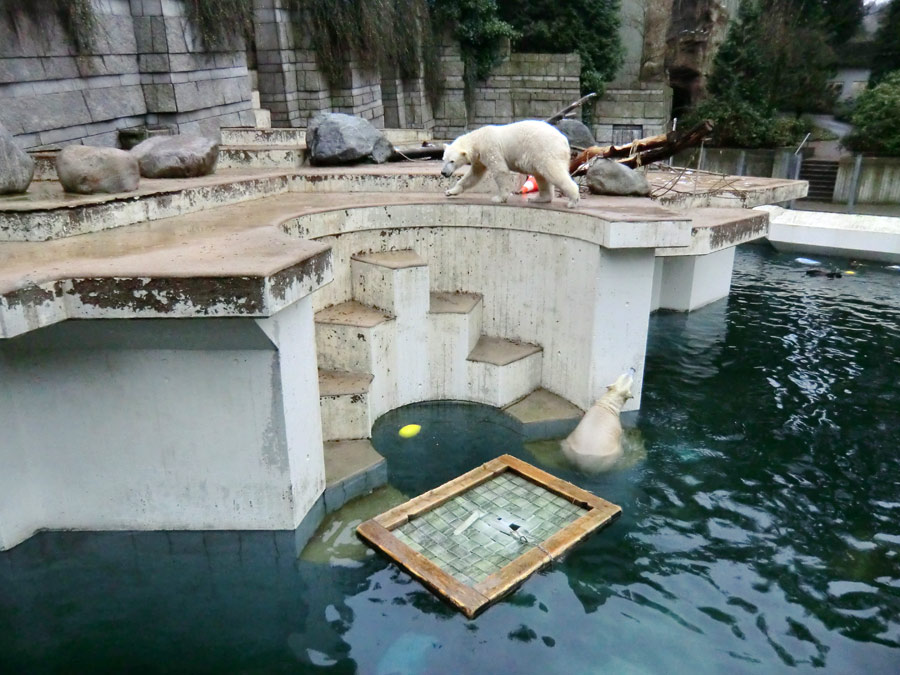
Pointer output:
x,y
760,534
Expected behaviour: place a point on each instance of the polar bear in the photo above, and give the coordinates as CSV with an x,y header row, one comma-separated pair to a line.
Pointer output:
x,y
596,443
530,147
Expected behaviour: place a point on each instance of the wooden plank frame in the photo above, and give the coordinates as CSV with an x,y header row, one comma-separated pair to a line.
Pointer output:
x,y
471,600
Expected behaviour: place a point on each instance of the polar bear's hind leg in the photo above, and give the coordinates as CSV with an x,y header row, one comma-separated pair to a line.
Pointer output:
x,y
545,191
559,177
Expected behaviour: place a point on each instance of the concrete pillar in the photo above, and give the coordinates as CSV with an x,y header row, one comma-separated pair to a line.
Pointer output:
x,y
160,425
622,308
686,283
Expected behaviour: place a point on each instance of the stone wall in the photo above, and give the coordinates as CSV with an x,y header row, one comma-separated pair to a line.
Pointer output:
x,y
622,115
522,86
145,67
879,180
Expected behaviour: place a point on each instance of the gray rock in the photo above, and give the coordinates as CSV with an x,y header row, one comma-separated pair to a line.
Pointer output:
x,y
16,166
606,177
335,138
180,156
577,133
88,170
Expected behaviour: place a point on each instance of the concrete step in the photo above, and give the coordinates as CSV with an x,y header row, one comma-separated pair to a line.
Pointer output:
x,y
502,371
261,157
297,135
344,403
352,468
254,98
454,326
352,337
253,136
395,281
263,118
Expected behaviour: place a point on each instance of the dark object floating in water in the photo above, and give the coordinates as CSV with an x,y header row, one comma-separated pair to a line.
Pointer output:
x,y
823,273
480,536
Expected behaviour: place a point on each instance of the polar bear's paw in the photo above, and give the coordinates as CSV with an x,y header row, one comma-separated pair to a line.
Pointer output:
x,y
499,199
452,192
538,199
572,203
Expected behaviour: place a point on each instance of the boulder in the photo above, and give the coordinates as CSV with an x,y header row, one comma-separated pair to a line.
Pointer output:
x,y
180,156
606,177
16,166
577,133
335,138
88,170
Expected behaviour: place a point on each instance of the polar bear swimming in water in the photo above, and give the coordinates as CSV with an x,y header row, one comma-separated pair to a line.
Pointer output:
x,y
596,443
531,147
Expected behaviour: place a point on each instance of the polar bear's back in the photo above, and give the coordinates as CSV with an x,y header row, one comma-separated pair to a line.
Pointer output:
x,y
527,145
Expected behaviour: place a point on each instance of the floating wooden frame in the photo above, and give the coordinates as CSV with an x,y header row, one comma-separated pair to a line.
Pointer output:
x,y
469,585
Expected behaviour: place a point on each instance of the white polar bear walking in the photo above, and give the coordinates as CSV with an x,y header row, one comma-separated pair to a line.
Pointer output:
x,y
596,443
530,147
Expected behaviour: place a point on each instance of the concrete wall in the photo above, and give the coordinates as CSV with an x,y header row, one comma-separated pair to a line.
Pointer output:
x,y
160,424
767,163
145,67
879,180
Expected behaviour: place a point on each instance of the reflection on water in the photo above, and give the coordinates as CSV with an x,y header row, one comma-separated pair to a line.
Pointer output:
x,y
760,533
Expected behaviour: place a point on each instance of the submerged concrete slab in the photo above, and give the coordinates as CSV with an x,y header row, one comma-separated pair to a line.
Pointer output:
x,y
352,468
544,415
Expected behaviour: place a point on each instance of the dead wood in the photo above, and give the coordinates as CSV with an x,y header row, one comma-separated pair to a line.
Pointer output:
x,y
556,117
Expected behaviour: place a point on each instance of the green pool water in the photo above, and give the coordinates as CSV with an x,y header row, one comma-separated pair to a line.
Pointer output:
x,y
760,532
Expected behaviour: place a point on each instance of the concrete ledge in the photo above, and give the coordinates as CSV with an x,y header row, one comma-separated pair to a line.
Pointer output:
x,y
714,229
545,415
838,234
689,189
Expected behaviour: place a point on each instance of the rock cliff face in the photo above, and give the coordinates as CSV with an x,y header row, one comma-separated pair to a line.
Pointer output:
x,y
697,29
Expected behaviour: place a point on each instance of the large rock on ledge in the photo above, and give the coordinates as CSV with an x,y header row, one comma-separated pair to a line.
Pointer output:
x,y
606,177
88,170
16,166
180,156
577,132
335,138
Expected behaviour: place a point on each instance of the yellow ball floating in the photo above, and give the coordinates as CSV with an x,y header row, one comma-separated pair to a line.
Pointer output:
x,y
849,272
410,430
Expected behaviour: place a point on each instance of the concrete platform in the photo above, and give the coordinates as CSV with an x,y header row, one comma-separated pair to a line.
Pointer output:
x,y
688,188
865,237
453,303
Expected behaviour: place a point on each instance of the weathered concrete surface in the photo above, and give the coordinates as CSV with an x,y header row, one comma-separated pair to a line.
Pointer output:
x,y
544,415
88,171
686,188
192,267
840,234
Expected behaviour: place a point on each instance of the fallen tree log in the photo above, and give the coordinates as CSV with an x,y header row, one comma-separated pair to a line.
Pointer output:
x,y
435,151
644,150
560,114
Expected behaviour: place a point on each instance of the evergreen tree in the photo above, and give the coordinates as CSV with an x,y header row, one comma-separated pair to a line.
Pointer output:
x,y
589,27
887,44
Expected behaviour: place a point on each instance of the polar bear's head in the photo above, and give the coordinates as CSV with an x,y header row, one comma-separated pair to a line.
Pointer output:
x,y
619,391
454,157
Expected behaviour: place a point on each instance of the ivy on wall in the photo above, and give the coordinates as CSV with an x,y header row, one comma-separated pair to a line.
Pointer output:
x,y
219,22
77,18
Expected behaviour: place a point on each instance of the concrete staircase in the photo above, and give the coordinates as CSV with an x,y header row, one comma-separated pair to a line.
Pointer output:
x,y
397,342
822,176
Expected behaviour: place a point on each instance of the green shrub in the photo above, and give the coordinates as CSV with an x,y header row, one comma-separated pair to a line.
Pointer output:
x,y
876,119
